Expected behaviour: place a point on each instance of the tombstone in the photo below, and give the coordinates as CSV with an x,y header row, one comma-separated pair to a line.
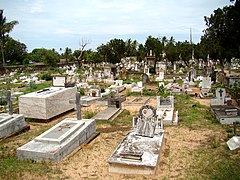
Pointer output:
x,y
139,151
160,76
60,140
206,86
113,110
11,123
234,143
192,76
220,97
46,103
174,67
94,93
165,109
145,78
59,81
146,121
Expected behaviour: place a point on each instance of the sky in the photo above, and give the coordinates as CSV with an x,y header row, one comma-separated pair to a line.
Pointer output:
x,y
60,23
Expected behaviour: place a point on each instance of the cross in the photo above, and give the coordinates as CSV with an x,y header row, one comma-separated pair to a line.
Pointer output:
x,y
220,92
78,105
9,100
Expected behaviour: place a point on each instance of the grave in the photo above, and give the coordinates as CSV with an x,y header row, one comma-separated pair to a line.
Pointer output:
x,y
137,101
60,140
117,86
226,113
11,123
113,110
138,88
160,76
139,151
47,103
94,93
206,86
220,97
165,109
191,76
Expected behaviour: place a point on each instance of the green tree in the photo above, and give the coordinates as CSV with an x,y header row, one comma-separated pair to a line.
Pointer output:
x,y
171,51
15,51
5,27
222,33
156,46
48,57
68,54
184,50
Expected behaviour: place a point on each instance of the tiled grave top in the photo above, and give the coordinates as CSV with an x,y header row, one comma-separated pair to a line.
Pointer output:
x,y
60,132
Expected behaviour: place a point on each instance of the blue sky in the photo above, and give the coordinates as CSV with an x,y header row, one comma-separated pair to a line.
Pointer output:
x,y
60,23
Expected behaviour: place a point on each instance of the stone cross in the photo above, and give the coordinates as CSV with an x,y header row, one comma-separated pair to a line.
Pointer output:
x,y
9,100
220,92
78,105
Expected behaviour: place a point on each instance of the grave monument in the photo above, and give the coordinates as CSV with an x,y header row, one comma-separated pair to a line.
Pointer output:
x,y
49,102
11,123
139,151
60,140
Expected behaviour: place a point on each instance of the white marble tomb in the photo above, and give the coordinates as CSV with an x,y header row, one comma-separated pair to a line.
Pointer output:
x,y
46,103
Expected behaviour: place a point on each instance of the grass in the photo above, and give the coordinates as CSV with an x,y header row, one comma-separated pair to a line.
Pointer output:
x,y
213,160
12,168
37,87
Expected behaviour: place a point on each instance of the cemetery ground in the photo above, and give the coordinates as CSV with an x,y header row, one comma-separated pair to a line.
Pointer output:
x,y
196,148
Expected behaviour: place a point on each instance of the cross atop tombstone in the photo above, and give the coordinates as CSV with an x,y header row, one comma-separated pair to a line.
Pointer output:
x,y
220,92
9,100
78,105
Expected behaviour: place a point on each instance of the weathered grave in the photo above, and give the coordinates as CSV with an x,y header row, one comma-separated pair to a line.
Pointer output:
x,y
94,93
11,123
137,101
165,109
224,112
117,86
206,86
46,103
220,97
138,88
160,76
113,110
60,140
139,151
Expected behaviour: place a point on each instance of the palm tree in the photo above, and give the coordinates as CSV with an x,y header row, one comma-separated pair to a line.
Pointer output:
x,y
5,27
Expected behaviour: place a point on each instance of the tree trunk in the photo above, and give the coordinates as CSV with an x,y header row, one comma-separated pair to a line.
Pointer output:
x,y
3,59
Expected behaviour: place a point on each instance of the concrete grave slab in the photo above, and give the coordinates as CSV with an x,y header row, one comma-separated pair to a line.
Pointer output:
x,y
46,103
139,151
59,141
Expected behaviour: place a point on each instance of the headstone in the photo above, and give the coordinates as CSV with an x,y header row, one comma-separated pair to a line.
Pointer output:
x,y
11,123
234,143
139,151
59,81
174,67
146,121
9,99
220,97
78,105
145,78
